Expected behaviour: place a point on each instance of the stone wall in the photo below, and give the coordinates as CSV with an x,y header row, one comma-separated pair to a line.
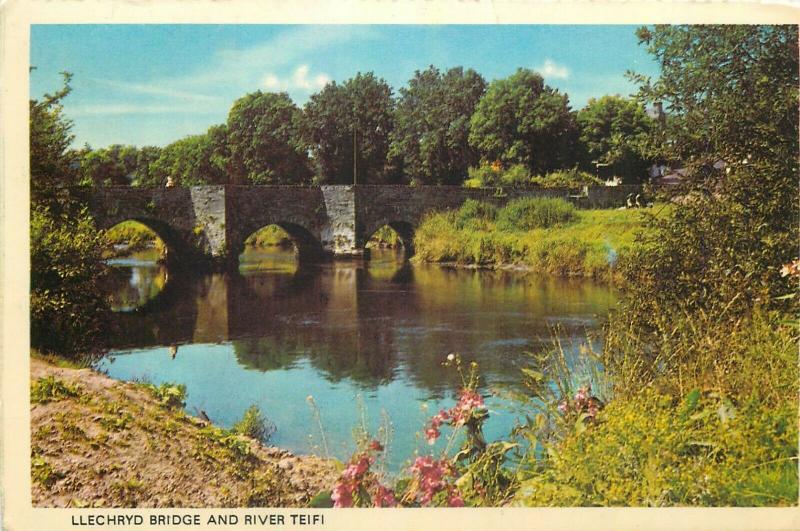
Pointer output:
x,y
213,222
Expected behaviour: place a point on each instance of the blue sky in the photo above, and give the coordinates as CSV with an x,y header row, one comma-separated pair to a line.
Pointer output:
x,y
153,84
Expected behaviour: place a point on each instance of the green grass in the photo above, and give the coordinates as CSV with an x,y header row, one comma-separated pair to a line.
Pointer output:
x,y
269,236
575,242
51,389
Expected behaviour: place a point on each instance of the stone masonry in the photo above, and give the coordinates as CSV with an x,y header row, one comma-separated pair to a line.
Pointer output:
x,y
205,225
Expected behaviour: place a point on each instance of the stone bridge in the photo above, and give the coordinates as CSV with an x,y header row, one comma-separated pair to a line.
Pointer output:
x,y
205,225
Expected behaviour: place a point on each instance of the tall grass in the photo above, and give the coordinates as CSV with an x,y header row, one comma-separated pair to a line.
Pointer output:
x,y
574,242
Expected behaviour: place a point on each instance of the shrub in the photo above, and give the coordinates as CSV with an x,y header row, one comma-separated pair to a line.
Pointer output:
x,y
573,178
169,395
68,308
534,212
475,214
49,389
253,424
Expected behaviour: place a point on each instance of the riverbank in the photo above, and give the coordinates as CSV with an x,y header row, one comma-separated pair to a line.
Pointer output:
x,y
97,442
589,245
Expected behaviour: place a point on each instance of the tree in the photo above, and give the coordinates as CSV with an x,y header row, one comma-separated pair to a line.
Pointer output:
x,y
194,160
53,165
522,120
360,111
68,308
114,165
264,140
613,131
145,159
432,125
731,93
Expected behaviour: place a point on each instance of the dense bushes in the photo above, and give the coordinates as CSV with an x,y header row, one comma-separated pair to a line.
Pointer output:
x,y
488,175
68,310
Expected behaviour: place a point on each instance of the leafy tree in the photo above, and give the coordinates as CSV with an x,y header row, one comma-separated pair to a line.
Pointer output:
x,y
522,120
614,130
145,159
54,175
114,165
194,160
67,305
359,110
264,140
732,93
432,125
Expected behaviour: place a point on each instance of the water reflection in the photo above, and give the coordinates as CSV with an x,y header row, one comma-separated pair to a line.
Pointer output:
x,y
274,333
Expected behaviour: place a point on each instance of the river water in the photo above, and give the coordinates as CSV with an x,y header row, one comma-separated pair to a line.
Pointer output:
x,y
365,340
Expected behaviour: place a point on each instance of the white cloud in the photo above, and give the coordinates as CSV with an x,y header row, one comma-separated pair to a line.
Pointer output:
x,y
153,89
298,80
129,108
551,69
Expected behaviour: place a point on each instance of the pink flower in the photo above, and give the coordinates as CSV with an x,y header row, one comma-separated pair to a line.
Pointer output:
x,y
384,497
563,407
342,494
357,469
431,434
430,475
455,500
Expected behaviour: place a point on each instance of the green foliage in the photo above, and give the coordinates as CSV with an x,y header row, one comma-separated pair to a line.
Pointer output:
x,y
135,235
190,161
385,237
475,214
520,120
53,176
50,389
269,236
42,473
264,140
589,246
255,425
528,213
360,109
169,395
645,453
614,131
114,165
703,363
68,309
432,125
573,178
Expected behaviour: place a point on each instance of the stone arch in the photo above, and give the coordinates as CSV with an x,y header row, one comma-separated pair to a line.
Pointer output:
x,y
404,229
174,244
308,247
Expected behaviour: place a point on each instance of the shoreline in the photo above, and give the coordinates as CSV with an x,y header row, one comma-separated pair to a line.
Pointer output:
x,y
100,442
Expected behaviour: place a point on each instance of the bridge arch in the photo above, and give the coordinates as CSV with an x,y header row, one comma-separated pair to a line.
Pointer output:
x,y
404,229
174,245
307,246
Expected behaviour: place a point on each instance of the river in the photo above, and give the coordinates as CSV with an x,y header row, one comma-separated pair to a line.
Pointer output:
x,y
365,340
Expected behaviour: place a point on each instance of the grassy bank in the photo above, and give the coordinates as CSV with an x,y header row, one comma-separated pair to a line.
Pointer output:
x,y
96,442
580,242
716,427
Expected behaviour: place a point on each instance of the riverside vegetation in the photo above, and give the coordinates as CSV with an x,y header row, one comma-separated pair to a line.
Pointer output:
x,y
697,400
539,234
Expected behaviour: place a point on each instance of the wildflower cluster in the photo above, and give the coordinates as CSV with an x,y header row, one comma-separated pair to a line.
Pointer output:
x,y
582,403
429,478
360,487
470,404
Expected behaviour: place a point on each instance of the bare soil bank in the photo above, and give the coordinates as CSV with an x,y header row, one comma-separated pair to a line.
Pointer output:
x,y
97,442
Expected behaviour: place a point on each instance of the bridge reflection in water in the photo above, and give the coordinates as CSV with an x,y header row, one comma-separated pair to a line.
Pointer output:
x,y
275,332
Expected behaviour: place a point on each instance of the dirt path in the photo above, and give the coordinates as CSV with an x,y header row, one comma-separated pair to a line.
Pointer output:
x,y
97,442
